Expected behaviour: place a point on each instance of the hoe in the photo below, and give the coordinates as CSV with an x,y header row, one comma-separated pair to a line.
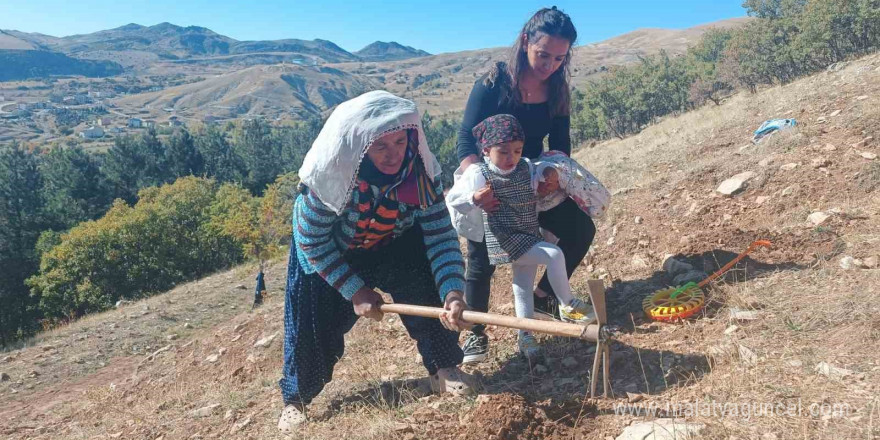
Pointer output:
x,y
600,332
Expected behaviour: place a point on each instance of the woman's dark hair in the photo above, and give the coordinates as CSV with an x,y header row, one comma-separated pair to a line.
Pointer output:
x,y
546,22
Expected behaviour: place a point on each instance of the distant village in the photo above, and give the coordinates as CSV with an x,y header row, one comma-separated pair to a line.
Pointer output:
x,y
88,115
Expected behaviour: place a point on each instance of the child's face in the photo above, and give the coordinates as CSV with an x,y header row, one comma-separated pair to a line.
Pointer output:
x,y
505,155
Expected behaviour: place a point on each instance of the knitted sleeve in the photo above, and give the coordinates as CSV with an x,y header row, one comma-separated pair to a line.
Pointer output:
x,y
444,252
313,226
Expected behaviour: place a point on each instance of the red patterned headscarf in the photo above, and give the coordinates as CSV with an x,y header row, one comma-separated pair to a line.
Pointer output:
x,y
498,129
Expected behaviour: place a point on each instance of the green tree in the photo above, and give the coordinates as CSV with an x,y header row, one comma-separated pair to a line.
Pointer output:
x,y
136,162
295,142
183,158
221,162
75,188
134,251
255,144
21,220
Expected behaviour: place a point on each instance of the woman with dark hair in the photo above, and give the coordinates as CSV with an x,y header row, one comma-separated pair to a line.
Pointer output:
x,y
533,85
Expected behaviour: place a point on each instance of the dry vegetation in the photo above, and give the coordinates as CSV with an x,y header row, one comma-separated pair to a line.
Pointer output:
x,y
91,382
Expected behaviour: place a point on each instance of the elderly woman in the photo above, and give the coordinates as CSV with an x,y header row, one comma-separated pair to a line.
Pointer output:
x,y
371,214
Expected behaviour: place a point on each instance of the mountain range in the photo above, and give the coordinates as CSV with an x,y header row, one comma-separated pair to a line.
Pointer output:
x,y
134,46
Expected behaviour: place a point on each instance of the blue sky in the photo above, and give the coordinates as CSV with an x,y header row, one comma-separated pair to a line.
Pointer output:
x,y
431,25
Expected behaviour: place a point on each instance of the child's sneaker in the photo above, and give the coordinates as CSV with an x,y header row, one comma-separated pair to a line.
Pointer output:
x,y
475,348
578,312
528,345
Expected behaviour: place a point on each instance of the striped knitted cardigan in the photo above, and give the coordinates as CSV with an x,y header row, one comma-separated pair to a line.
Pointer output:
x,y
322,238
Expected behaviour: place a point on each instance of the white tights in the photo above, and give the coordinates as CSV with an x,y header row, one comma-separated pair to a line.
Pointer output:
x,y
526,268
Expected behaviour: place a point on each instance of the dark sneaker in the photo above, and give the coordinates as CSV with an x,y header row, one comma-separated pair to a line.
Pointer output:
x,y
547,306
475,348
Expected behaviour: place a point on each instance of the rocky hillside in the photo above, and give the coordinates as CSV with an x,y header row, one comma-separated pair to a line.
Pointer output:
x,y
393,51
794,326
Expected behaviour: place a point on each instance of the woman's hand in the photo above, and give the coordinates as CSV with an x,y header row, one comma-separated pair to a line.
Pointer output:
x,y
454,307
485,199
366,303
550,183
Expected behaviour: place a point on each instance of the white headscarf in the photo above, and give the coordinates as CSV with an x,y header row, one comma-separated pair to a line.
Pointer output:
x,y
330,168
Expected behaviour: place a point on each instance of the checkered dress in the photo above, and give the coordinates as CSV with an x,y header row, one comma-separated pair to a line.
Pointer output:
x,y
512,230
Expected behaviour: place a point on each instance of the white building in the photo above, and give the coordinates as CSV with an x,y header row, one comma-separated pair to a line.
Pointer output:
x,y
92,133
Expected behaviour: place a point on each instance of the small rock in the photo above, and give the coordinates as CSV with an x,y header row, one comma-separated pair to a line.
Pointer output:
x,y
727,217
116,435
735,184
212,358
868,155
760,200
241,287
122,303
402,427
242,424
747,356
829,147
639,262
861,98
222,351
634,397
694,276
4,377
206,411
795,363
820,162
788,166
235,338
172,337
847,263
251,358
229,414
821,119
818,218
737,314
661,429
871,263
238,327
835,113
788,191
730,330
570,362
265,342
831,371
34,373
187,325
637,220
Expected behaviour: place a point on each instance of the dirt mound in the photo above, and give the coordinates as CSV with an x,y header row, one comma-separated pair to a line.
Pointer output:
x,y
508,416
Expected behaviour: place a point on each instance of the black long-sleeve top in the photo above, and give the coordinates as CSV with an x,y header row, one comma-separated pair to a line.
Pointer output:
x,y
534,118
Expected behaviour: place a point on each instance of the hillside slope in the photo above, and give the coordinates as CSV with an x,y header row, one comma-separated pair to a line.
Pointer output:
x,y
148,370
272,90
